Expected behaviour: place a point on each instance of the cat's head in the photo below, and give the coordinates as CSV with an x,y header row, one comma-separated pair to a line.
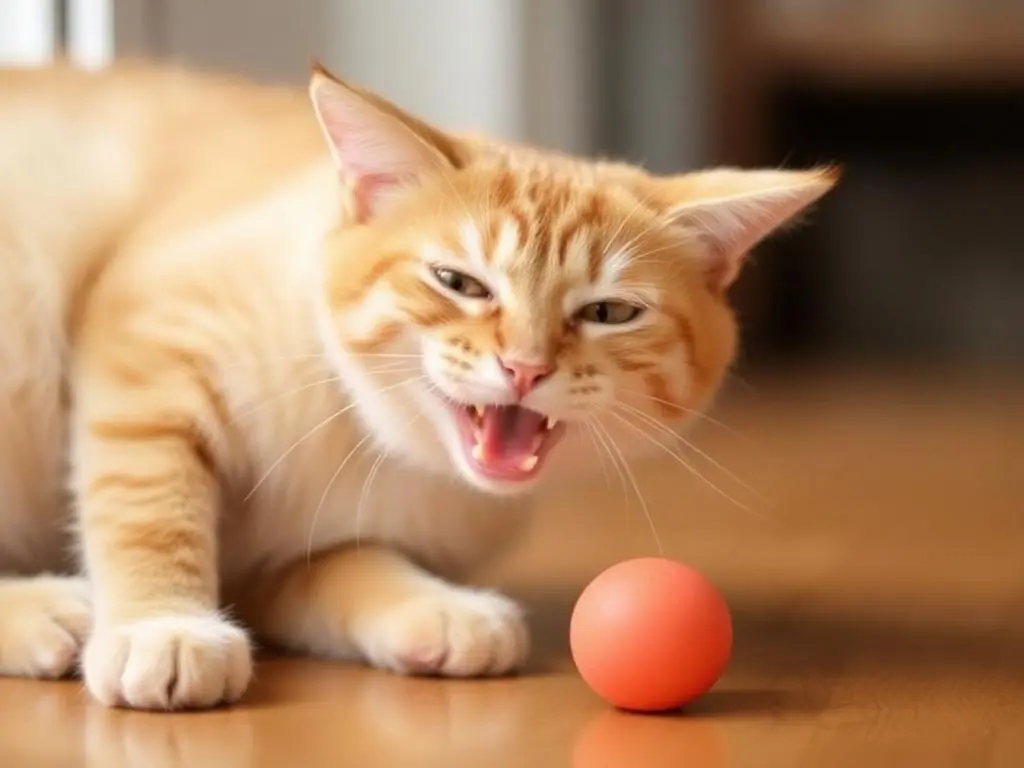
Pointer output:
x,y
505,314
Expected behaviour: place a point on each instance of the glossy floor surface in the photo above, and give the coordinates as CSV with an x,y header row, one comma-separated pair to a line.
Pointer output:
x,y
876,585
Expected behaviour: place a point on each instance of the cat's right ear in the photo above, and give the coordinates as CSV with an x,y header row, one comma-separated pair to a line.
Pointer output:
x,y
379,150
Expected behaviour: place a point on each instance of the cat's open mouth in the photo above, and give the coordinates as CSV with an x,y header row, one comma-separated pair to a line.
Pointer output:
x,y
506,442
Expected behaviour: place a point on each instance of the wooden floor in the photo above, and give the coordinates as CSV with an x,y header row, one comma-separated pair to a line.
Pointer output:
x,y
877,591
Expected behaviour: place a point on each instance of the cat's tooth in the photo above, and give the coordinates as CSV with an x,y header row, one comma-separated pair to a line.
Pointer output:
x,y
528,462
478,453
550,423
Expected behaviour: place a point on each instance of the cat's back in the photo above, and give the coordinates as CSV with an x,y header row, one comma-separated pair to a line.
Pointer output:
x,y
85,157
87,161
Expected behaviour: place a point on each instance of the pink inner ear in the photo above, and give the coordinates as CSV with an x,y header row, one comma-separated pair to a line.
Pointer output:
x,y
722,269
730,229
374,151
369,188
731,211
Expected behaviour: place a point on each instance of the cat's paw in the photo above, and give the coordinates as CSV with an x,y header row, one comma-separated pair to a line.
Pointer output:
x,y
43,624
453,632
168,662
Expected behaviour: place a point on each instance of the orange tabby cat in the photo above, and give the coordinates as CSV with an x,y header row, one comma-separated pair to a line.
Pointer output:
x,y
310,359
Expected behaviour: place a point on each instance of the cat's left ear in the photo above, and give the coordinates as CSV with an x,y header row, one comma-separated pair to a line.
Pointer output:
x,y
731,211
379,149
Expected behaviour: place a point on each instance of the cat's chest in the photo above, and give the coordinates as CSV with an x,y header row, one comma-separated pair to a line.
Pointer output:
x,y
337,486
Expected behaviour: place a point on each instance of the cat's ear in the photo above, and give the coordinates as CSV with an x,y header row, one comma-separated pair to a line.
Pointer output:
x,y
731,210
379,149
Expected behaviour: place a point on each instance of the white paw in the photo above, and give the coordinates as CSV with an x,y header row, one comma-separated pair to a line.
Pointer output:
x,y
453,632
43,623
168,662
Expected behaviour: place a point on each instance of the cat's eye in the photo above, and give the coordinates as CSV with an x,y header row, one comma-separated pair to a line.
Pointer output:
x,y
609,312
463,285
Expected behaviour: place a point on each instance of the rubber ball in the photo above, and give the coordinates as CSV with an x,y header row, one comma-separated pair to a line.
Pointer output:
x,y
650,634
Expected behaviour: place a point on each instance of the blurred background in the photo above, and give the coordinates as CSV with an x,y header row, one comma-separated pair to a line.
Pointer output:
x,y
916,258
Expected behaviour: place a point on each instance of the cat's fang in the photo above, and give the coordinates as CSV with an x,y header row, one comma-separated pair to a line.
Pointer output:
x,y
550,423
476,413
528,463
478,453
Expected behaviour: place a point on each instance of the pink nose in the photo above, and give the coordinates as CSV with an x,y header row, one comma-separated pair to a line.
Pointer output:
x,y
525,376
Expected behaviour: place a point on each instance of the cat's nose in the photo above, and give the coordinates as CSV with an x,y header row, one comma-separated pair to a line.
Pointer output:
x,y
525,376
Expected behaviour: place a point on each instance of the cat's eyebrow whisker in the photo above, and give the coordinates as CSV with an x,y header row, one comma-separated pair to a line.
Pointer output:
x,y
636,487
316,429
658,222
636,298
445,172
655,424
688,466
622,225
327,490
643,255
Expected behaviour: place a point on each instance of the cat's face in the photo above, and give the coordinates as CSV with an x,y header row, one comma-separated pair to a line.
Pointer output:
x,y
508,316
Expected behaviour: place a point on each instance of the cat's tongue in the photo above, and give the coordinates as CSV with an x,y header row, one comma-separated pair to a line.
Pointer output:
x,y
508,437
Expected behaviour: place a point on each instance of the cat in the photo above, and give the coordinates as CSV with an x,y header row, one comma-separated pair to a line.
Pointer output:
x,y
287,364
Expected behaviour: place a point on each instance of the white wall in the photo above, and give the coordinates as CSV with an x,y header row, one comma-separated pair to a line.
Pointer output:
x,y
456,62
513,68
558,56
27,32
666,107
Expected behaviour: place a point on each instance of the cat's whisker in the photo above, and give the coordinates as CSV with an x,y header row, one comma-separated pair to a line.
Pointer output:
x,y
287,393
368,482
365,494
276,360
393,368
590,432
316,429
622,478
689,467
684,410
746,384
296,444
385,354
396,369
636,487
655,424
327,490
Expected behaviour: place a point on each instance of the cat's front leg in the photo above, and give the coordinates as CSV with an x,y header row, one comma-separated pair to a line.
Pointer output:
x,y
148,503
372,602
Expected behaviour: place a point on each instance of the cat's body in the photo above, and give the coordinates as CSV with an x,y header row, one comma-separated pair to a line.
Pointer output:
x,y
210,336
86,200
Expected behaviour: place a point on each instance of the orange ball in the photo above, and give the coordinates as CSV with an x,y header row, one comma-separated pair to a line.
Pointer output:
x,y
650,634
